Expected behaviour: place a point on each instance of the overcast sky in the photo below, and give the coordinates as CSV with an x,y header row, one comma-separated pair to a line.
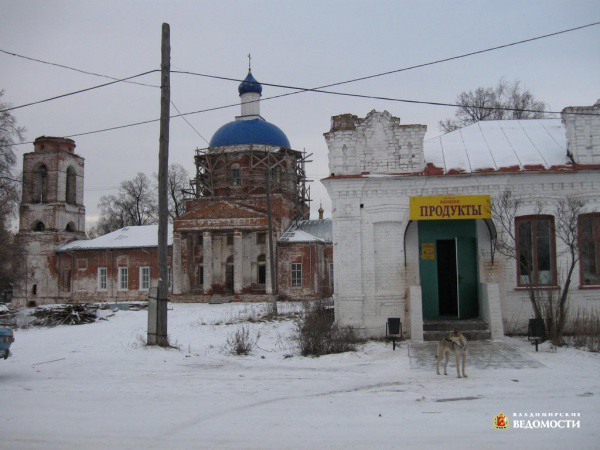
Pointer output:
x,y
301,43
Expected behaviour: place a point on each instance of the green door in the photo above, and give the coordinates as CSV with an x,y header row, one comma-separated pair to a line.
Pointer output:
x,y
448,268
466,255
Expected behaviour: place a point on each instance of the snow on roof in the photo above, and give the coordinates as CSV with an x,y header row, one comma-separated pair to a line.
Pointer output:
x,y
128,237
309,231
500,144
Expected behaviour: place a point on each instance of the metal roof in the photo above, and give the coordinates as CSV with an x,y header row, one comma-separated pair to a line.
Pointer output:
x,y
309,231
255,131
496,145
128,237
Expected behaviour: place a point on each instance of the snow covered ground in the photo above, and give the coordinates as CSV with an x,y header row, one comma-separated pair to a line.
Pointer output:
x,y
98,386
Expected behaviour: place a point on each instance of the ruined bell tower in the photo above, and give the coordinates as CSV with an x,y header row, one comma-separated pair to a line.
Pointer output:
x,y
51,214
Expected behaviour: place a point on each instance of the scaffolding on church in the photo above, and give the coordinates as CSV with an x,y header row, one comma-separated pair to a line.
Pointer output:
x,y
237,173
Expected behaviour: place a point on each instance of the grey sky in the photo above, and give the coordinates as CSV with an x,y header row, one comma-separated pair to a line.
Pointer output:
x,y
303,43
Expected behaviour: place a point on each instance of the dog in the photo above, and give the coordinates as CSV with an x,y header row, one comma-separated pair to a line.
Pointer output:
x,y
455,343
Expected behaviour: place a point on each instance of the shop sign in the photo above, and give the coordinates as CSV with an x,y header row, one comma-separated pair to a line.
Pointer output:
x,y
450,207
427,250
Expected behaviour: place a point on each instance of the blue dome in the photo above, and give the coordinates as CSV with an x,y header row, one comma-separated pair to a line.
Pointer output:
x,y
255,131
249,85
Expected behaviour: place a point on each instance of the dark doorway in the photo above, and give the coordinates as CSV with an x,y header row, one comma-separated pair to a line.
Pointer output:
x,y
262,270
447,280
229,275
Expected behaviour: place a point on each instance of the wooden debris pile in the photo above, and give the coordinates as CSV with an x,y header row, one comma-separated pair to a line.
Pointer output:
x,y
72,314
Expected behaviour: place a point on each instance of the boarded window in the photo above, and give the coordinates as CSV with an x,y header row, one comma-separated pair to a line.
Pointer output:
x,y
40,185
536,264
331,276
296,274
230,239
589,244
82,264
71,194
261,237
102,279
65,280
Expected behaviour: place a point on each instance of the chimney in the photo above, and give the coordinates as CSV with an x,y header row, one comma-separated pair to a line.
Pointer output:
x,y
583,133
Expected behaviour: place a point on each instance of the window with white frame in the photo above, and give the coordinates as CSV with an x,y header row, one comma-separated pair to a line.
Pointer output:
x,y
123,279
102,279
144,278
296,274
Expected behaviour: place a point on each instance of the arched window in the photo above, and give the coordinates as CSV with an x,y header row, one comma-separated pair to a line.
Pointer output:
x,y
39,226
71,227
236,179
261,266
71,191
536,251
40,184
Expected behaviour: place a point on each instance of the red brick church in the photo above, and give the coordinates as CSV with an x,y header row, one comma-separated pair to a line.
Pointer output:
x,y
218,247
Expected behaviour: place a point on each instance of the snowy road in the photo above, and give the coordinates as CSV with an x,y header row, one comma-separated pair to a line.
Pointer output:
x,y
104,389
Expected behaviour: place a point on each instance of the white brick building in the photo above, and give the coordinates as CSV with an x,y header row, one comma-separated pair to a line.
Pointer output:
x,y
416,269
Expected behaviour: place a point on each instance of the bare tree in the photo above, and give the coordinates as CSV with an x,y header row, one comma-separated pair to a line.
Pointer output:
x,y
567,215
549,304
505,101
178,180
10,252
134,204
10,133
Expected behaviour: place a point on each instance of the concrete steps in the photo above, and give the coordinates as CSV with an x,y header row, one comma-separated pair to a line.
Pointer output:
x,y
473,329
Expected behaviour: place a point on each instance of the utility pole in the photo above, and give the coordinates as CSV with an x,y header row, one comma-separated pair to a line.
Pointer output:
x,y
157,307
270,225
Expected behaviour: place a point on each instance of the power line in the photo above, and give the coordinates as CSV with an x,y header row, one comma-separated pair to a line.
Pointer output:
x,y
300,89
79,91
186,121
86,72
62,66
464,55
320,88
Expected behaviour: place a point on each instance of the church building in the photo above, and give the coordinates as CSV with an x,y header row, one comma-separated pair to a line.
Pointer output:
x,y
219,249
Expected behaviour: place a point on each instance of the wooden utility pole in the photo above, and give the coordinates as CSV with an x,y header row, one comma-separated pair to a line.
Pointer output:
x,y
157,307
270,225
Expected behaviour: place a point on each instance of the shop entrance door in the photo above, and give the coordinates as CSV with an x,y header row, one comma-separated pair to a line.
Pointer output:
x,y
447,277
448,268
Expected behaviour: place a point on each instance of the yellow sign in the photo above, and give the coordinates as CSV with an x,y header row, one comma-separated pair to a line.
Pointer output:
x,y
427,250
450,207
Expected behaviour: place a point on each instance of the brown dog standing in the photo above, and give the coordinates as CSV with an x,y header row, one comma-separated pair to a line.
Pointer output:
x,y
455,343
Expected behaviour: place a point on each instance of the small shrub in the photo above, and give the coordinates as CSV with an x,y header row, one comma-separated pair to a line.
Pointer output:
x,y
241,342
584,330
317,335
